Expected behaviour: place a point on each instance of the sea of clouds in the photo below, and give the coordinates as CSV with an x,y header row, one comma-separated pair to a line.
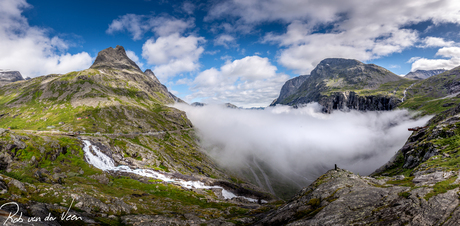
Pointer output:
x,y
303,140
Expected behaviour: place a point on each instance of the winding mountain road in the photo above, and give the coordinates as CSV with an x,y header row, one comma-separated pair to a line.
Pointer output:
x,y
150,133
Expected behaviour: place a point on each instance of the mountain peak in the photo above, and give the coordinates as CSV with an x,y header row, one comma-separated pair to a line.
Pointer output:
x,y
114,58
340,62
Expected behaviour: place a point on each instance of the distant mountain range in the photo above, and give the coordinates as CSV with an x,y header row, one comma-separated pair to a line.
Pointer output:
x,y
423,74
7,77
227,105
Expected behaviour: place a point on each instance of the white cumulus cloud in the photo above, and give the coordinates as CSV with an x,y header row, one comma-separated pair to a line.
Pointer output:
x,y
320,29
225,40
30,49
138,25
170,51
248,82
452,53
173,54
436,42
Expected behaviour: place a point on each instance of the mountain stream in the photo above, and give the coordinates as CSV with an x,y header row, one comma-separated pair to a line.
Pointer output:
x,y
101,161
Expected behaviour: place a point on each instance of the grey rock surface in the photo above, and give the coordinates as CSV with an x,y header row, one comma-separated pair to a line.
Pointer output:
x,y
114,58
431,178
187,219
340,197
352,101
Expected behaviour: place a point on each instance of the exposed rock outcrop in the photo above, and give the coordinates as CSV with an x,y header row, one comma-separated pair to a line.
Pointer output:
x,y
115,59
351,101
340,197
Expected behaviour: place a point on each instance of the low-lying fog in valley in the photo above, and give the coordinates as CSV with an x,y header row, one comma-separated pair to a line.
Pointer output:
x,y
301,141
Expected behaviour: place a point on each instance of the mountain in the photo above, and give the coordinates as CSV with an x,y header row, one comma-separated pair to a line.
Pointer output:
x,y
227,105
105,141
111,58
7,77
198,104
230,105
423,74
346,84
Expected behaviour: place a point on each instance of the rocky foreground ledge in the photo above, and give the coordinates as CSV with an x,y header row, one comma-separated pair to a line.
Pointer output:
x,y
340,197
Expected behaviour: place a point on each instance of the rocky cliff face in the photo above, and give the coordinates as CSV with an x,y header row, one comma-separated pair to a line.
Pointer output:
x,y
349,100
345,84
7,77
423,74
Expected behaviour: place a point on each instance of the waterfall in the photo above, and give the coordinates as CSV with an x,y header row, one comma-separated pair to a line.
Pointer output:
x,y
98,159
101,161
404,93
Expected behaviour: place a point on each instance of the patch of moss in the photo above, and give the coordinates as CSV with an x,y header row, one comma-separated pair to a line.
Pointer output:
x,y
442,187
404,194
407,182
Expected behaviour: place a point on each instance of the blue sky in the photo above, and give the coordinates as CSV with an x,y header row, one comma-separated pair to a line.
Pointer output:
x,y
231,50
